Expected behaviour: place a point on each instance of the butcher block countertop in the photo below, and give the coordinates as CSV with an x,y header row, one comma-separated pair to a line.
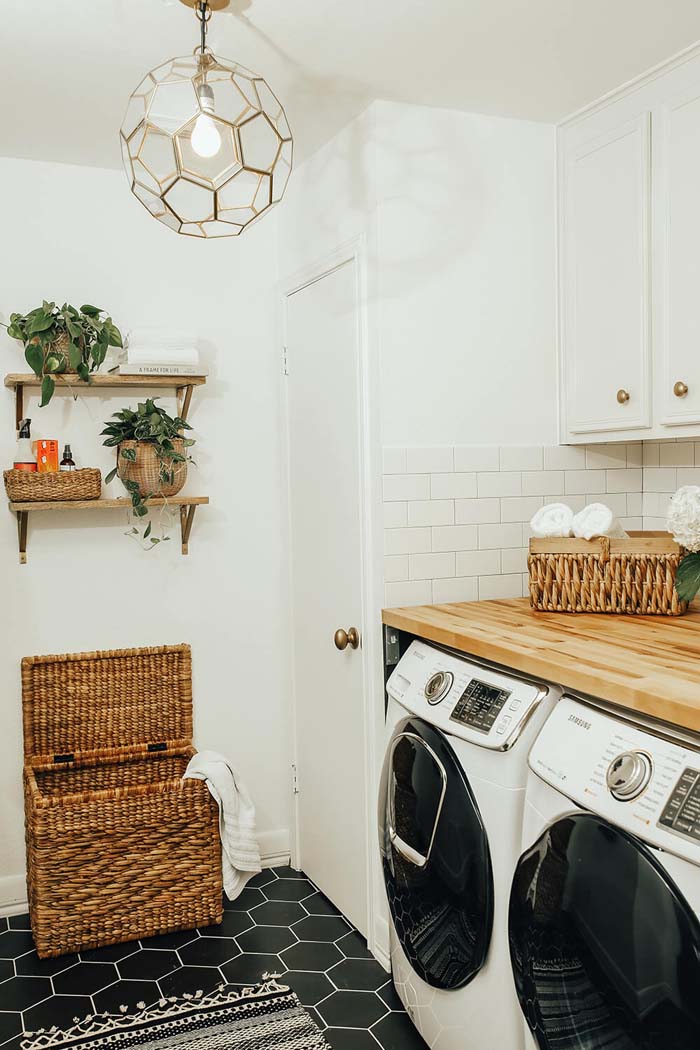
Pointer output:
x,y
649,664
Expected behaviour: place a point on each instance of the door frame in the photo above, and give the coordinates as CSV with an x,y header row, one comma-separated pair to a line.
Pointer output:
x,y
354,252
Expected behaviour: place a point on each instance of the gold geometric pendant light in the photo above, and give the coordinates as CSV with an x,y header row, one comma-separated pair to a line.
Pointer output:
x,y
205,143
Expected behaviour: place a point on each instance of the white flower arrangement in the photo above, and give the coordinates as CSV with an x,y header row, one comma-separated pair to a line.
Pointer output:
x,y
683,522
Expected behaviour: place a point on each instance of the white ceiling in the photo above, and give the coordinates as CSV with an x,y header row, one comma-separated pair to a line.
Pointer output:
x,y
68,67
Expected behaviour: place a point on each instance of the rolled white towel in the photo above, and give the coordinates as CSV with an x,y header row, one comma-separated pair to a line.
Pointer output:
x,y
555,519
597,520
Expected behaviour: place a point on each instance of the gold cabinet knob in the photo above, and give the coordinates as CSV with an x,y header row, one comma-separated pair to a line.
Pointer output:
x,y
680,389
343,639
622,397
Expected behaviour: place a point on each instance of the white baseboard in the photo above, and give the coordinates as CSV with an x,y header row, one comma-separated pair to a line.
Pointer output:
x,y
274,851
380,948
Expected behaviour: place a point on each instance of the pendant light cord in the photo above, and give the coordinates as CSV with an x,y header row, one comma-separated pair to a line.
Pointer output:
x,y
203,12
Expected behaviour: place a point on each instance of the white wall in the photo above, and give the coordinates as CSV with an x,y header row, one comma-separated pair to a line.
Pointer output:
x,y
77,234
467,282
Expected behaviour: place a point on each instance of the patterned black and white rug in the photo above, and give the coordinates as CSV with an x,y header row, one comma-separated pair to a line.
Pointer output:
x,y
266,1017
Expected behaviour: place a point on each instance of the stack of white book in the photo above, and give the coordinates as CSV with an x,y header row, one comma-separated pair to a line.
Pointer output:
x,y
155,353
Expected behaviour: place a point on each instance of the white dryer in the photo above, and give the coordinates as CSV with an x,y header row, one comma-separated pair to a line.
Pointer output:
x,y
450,812
603,924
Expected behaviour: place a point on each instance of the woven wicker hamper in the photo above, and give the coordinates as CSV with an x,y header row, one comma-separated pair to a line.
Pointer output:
x,y
119,847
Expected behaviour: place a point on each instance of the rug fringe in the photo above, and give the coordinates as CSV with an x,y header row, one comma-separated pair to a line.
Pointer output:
x,y
98,1024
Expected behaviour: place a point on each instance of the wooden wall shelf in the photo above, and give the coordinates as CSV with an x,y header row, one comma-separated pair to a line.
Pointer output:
x,y
187,505
183,386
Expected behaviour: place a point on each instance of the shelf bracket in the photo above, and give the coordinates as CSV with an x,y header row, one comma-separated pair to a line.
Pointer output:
x,y
22,519
186,519
184,397
19,404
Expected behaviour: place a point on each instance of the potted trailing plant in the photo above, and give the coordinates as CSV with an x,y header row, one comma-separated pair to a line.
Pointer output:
x,y
60,340
152,455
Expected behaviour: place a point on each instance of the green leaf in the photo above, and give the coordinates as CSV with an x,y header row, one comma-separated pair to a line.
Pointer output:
x,y
34,356
47,388
84,372
51,364
688,577
90,311
41,323
111,476
129,454
147,533
75,355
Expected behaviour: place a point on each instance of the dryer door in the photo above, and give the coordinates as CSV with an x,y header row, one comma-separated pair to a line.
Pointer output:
x,y
605,949
435,857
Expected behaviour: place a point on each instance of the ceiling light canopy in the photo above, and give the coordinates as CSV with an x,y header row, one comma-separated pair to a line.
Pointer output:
x,y
205,142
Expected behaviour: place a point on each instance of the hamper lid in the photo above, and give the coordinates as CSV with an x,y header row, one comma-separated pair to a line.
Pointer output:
x,y
116,698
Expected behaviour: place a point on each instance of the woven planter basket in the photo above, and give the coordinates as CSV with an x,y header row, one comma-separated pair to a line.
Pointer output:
x,y
24,486
636,575
119,847
146,470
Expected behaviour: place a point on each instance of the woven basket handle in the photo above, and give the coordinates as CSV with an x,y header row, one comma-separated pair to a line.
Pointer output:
x,y
605,548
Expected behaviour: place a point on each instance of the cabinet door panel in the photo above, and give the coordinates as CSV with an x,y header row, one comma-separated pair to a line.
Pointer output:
x,y
605,263
677,255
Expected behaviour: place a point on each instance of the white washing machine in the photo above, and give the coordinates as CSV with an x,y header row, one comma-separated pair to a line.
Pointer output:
x,y
450,813
603,925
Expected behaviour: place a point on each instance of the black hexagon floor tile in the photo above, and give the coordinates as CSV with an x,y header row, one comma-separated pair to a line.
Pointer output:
x,y
85,978
266,930
276,913
19,922
352,1009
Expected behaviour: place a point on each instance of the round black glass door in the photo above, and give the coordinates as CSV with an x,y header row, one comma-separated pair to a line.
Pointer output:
x,y
435,858
605,949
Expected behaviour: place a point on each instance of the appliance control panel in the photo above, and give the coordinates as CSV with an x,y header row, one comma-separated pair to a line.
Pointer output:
x,y
637,779
464,699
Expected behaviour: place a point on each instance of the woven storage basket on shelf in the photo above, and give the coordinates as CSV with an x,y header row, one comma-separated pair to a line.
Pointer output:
x,y
24,486
146,470
119,847
635,575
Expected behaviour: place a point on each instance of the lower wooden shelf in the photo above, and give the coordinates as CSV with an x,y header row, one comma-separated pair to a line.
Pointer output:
x,y
187,504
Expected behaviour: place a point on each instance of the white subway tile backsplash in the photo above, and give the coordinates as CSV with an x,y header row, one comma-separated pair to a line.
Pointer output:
x,y
459,589
406,541
457,520
543,483
431,566
497,483
455,538
516,457
584,481
431,512
677,454
476,457
410,592
508,586
520,508
477,511
627,480
564,457
514,560
394,460
395,568
395,515
429,460
651,453
659,479
632,523
406,486
606,457
453,486
687,476
478,563
493,536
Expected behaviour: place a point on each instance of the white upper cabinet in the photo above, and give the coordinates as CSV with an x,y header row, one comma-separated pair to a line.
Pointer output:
x,y
605,273
629,262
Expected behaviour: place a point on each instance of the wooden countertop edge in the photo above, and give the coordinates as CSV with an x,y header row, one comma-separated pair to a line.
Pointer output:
x,y
559,666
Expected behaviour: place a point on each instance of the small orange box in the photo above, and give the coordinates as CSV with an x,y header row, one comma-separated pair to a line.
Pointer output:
x,y
46,452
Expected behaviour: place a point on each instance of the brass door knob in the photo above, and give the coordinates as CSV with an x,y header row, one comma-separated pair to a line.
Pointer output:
x,y
680,388
343,639
622,397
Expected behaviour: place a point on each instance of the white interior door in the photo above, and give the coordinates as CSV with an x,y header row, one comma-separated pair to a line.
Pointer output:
x,y
325,435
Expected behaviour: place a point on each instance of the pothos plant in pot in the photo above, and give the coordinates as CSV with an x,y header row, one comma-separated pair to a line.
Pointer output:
x,y
152,458
683,522
62,340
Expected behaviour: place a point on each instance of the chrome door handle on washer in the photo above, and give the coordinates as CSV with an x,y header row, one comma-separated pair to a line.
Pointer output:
x,y
402,847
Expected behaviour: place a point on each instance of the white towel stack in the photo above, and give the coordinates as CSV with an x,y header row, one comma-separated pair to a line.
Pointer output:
x,y
558,519
240,853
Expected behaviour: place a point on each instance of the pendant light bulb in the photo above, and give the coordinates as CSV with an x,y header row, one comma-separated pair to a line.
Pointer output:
x,y
206,140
